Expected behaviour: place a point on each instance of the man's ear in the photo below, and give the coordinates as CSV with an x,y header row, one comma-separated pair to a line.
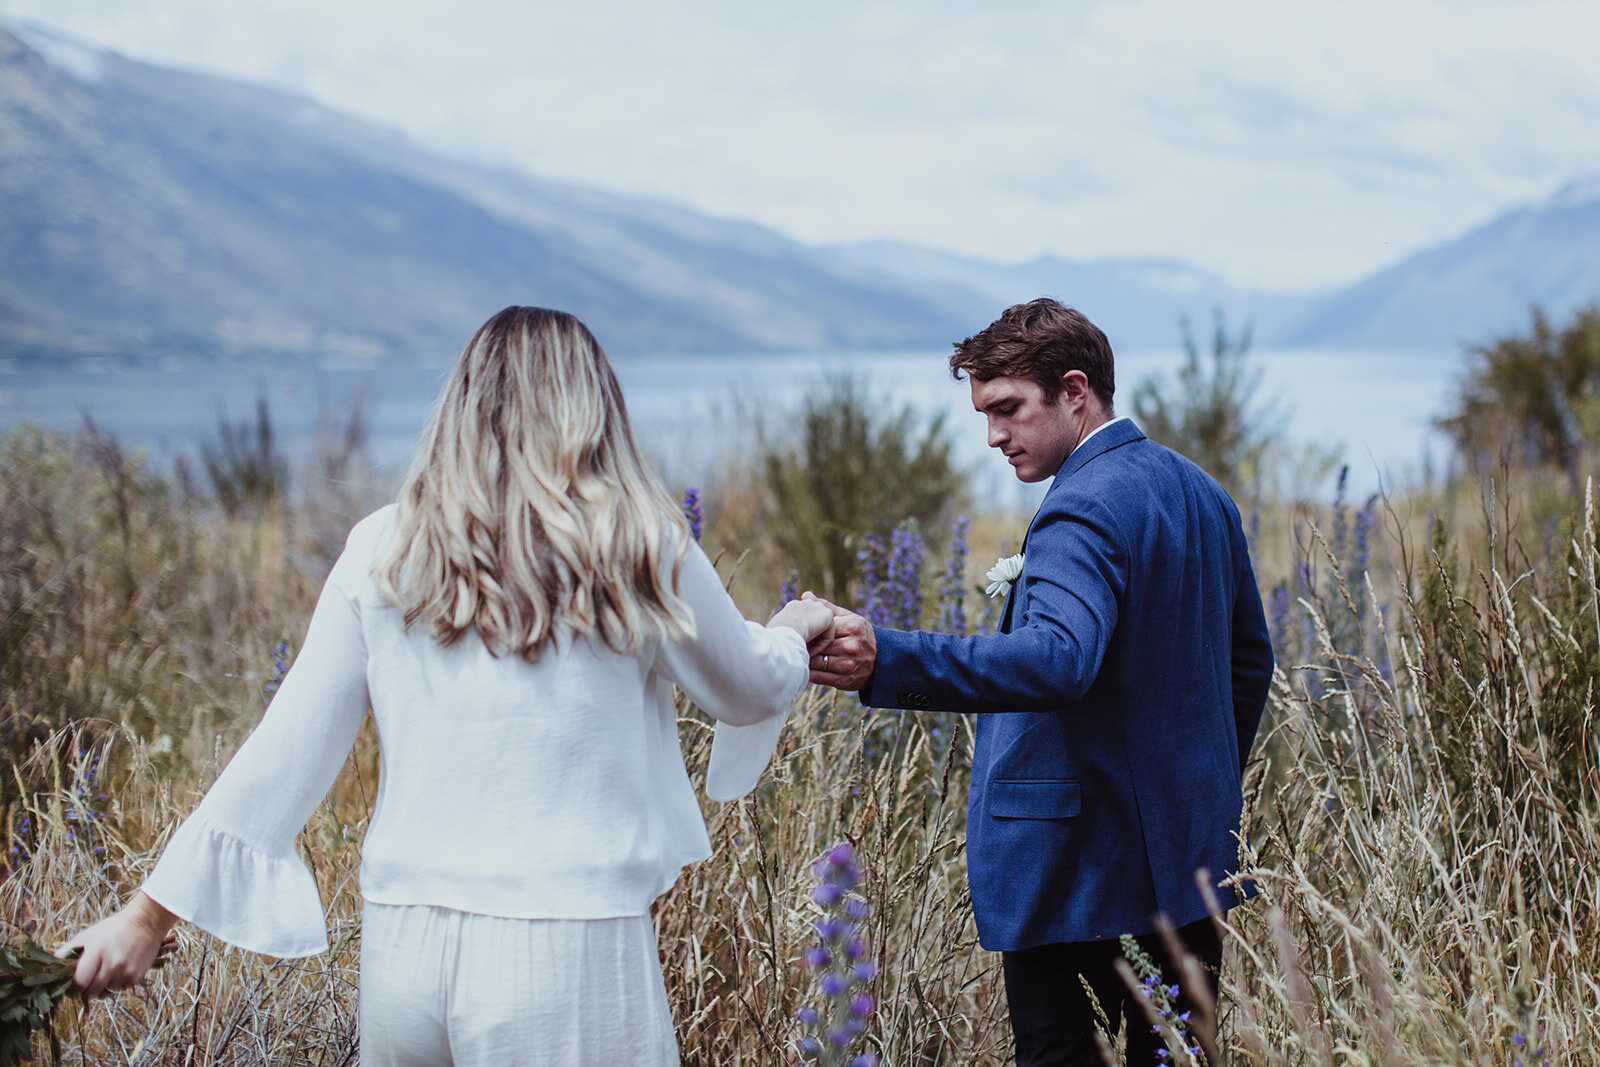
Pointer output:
x,y
1075,386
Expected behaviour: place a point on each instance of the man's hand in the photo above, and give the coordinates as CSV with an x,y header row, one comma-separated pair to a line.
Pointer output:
x,y
118,950
846,662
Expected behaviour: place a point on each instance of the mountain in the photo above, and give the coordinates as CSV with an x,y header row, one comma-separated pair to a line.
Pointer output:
x,y
146,210
1478,287
1139,303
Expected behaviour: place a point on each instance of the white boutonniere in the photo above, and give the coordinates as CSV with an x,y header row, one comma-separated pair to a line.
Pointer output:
x,y
1003,573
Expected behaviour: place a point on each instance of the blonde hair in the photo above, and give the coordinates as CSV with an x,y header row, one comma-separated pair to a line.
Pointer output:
x,y
528,505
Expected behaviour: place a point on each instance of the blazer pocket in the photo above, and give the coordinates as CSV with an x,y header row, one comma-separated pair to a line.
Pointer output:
x,y
1058,798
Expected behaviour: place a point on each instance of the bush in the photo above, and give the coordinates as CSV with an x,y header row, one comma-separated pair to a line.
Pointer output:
x,y
1211,414
848,469
1531,400
243,464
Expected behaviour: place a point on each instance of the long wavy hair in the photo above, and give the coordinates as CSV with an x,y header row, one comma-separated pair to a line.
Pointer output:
x,y
528,506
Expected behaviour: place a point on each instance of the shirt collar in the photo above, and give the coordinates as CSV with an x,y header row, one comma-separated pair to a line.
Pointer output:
x,y
1097,429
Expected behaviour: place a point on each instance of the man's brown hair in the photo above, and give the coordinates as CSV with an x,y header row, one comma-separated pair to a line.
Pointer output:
x,y
1041,340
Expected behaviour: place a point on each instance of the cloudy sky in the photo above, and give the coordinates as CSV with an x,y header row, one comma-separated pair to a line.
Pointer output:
x,y
1285,144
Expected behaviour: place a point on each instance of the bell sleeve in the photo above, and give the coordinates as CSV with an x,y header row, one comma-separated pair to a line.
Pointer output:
x,y
744,675
232,868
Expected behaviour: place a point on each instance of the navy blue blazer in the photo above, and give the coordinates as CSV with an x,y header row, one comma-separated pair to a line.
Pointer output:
x,y
1127,681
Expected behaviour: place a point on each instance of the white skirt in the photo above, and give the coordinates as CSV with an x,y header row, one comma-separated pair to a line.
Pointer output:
x,y
446,988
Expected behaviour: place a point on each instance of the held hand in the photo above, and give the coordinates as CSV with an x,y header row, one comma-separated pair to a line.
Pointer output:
x,y
812,621
118,950
846,662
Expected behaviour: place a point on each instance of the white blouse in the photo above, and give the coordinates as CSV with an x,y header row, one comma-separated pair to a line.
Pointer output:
x,y
553,790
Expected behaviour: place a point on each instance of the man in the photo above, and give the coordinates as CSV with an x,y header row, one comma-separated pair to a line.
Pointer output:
x,y
1116,704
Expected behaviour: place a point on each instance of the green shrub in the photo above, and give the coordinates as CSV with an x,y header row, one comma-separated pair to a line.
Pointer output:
x,y
1531,399
845,466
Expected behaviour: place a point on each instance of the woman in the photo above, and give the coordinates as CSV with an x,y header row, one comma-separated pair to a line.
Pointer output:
x,y
515,623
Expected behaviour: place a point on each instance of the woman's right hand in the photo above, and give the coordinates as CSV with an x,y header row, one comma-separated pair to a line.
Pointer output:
x,y
120,949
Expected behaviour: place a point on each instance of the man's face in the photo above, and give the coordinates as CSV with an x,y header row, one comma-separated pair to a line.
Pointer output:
x,y
1036,437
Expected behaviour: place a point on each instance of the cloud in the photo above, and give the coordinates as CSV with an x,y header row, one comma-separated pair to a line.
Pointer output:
x,y
1283,143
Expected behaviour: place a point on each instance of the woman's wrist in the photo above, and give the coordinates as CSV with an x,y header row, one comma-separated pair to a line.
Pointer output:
x,y
151,915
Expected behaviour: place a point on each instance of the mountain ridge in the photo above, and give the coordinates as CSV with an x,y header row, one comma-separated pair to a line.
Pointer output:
x,y
1478,286
147,209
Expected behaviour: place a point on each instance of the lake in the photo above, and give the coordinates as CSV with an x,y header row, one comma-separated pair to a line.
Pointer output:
x,y
694,412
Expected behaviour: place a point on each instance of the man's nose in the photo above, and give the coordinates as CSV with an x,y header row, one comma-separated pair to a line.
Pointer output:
x,y
997,434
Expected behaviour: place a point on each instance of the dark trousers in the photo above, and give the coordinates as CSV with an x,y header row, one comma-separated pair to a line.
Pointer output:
x,y
1052,1017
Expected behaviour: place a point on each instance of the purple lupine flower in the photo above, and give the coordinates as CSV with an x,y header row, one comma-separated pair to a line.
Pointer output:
x,y
280,666
1172,1025
22,838
692,510
1341,520
790,590
907,550
1521,1039
1278,607
827,894
831,1028
1366,522
953,581
842,857
873,557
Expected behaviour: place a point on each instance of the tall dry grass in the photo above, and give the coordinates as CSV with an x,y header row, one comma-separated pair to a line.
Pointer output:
x,y
1421,815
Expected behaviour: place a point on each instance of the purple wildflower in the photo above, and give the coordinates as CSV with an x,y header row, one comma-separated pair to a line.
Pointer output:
x,y
907,551
692,510
873,557
838,961
280,666
1279,602
1172,1027
953,581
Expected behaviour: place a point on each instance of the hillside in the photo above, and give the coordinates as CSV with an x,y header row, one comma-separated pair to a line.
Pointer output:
x,y
1477,287
147,210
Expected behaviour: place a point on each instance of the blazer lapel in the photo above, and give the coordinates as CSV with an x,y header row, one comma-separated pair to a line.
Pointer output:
x,y
1120,432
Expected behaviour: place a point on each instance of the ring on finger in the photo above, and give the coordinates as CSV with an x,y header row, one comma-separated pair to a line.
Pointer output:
x,y
824,661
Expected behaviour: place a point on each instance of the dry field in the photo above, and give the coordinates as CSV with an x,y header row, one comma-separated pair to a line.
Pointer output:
x,y
1421,809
